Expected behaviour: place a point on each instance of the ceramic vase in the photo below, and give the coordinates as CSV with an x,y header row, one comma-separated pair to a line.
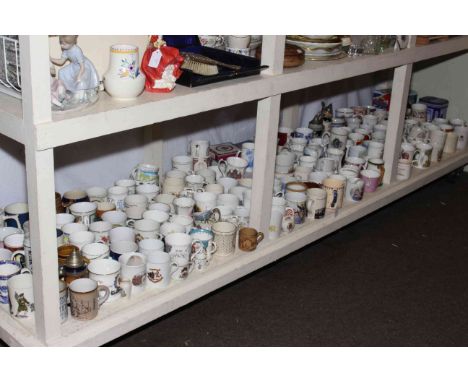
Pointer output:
x,y
123,80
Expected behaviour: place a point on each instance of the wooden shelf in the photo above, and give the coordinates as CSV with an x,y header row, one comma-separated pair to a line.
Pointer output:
x,y
110,116
122,316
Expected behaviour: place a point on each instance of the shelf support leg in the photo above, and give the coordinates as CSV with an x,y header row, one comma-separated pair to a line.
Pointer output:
x,y
396,117
266,136
41,200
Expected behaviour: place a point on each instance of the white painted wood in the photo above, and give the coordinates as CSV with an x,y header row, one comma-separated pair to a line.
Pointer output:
x,y
41,199
11,117
266,134
273,54
119,318
35,79
396,116
41,186
110,116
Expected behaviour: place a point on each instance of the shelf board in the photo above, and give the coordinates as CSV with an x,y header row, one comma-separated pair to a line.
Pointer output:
x,y
11,117
120,317
109,116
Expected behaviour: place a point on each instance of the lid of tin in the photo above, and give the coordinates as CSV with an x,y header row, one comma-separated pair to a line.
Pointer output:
x,y
429,100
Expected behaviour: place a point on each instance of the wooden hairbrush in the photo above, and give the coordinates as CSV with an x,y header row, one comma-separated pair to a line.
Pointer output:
x,y
203,65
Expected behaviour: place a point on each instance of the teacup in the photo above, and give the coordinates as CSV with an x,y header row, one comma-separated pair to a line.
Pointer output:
x,y
84,212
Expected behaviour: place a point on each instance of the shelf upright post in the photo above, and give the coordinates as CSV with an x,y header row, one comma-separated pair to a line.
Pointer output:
x,y
35,72
396,116
266,133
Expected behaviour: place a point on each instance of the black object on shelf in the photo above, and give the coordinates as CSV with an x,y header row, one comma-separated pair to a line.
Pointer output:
x,y
249,65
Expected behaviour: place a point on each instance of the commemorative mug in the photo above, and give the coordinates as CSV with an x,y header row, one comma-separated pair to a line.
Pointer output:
x,y
316,203
335,192
179,245
203,242
207,218
94,251
156,215
180,268
357,151
20,294
247,152
354,189
63,300
450,143
8,269
325,164
133,271
116,195
158,269
134,214
121,234
85,298
199,148
249,238
407,151
375,150
298,202
106,272
403,169
378,165
84,212
183,220
371,179
338,138
145,173
81,238
233,167
208,175
422,155
462,132
101,231
183,163
146,229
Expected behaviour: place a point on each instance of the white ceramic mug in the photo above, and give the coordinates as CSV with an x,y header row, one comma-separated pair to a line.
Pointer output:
x,y
422,155
146,173
183,163
137,200
199,148
179,245
148,190
158,269
106,272
84,212
116,218
354,189
116,195
147,246
97,194
233,167
146,229
69,228
94,251
129,183
81,238
21,296
121,233
403,169
225,238
316,203
101,231
133,271
205,201
62,219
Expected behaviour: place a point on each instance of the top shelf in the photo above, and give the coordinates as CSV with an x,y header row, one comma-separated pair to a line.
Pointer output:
x,y
110,116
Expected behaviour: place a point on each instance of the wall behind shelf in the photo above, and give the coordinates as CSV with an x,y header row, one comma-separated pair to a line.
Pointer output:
x,y
444,78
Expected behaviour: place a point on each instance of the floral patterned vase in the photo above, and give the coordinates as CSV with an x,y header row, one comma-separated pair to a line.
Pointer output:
x,y
123,79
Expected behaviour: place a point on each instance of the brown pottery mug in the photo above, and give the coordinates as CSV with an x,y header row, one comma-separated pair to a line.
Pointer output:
x,y
249,238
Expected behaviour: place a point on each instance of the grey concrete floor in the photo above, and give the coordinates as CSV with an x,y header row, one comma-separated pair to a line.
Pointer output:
x,y
397,277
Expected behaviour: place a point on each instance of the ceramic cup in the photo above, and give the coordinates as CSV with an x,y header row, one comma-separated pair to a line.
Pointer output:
x,y
116,218
146,173
179,245
451,143
199,148
375,150
371,180
227,183
316,203
156,215
148,190
171,227
184,206
298,202
74,196
183,163
205,201
225,238
335,192
62,219
63,301
132,273
85,298
146,229
116,195
147,246
158,269
81,238
422,155
94,251
101,231
84,212
121,234
103,207
70,228
354,189
407,151
182,220
233,167
106,272
249,239
8,269
403,169
137,200
21,297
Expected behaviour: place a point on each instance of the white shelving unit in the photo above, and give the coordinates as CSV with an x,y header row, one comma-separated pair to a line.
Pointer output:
x,y
31,122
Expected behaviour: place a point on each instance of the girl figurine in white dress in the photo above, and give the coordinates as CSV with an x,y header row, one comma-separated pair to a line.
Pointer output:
x,y
80,77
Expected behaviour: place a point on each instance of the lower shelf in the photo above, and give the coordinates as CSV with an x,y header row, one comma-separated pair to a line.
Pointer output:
x,y
120,317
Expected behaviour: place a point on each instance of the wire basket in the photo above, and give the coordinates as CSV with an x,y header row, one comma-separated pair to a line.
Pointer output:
x,y
10,73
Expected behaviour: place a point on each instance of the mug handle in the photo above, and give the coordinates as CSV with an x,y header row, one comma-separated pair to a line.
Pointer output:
x,y
222,164
103,299
25,270
212,248
239,153
279,194
417,154
14,218
130,223
159,236
21,255
260,237
134,172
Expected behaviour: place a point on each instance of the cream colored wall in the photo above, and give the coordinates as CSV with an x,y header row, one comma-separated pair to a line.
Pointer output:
x,y
446,79
96,48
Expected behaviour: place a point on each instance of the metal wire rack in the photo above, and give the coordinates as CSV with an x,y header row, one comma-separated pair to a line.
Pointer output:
x,y
10,70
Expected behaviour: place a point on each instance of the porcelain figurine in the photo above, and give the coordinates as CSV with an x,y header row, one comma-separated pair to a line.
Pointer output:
x,y
79,78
